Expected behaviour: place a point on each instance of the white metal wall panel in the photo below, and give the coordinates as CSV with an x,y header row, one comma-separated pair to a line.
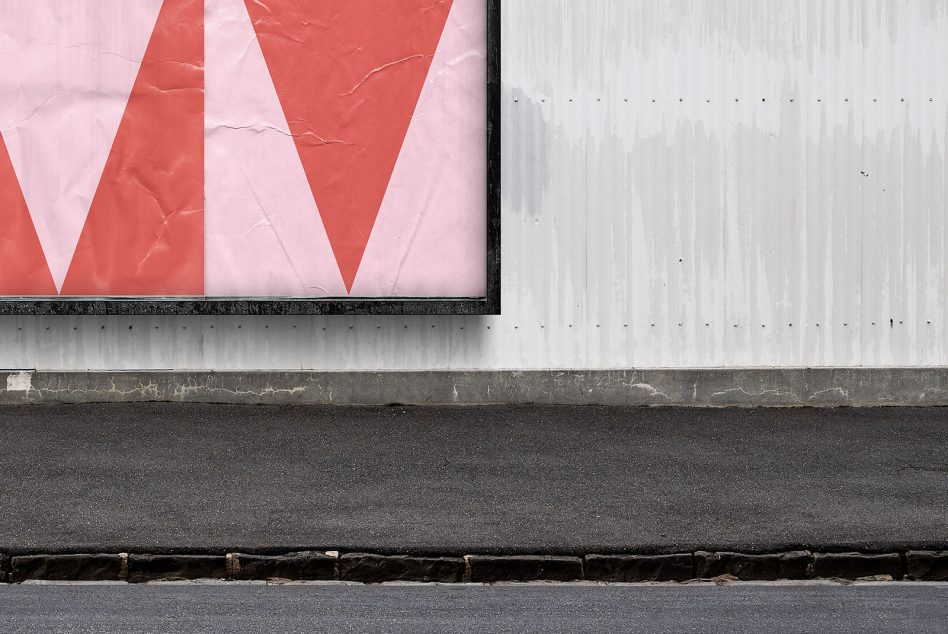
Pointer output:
x,y
686,184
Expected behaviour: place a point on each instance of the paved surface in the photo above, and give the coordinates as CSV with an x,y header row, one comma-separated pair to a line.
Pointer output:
x,y
157,477
745,608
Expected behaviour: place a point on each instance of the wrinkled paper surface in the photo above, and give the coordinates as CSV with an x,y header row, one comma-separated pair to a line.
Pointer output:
x,y
235,148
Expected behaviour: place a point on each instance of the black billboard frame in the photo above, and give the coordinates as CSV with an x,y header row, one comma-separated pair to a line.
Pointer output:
x,y
487,305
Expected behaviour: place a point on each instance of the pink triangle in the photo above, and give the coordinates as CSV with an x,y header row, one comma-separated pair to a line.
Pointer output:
x,y
264,235
430,238
68,70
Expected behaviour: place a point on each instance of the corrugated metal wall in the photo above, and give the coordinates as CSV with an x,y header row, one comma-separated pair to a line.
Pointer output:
x,y
704,183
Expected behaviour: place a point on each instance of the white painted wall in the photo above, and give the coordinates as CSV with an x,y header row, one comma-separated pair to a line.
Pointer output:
x,y
686,184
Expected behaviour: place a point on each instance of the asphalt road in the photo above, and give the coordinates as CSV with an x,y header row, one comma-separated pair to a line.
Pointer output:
x,y
528,608
159,477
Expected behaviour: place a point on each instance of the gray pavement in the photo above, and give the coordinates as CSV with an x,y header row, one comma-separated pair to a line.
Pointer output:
x,y
899,607
172,477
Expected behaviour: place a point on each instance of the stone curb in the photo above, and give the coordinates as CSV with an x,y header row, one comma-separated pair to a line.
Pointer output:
x,y
96,567
770,567
857,565
927,565
368,568
491,569
916,565
301,566
142,568
633,568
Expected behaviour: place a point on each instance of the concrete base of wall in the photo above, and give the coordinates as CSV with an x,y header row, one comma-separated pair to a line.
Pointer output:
x,y
822,387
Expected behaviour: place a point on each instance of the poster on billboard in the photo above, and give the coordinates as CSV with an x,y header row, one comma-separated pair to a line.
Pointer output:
x,y
236,156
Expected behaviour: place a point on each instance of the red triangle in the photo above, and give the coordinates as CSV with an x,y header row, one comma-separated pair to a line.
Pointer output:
x,y
349,74
23,268
145,231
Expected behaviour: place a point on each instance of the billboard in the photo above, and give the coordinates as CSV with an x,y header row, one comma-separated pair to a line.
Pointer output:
x,y
235,156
